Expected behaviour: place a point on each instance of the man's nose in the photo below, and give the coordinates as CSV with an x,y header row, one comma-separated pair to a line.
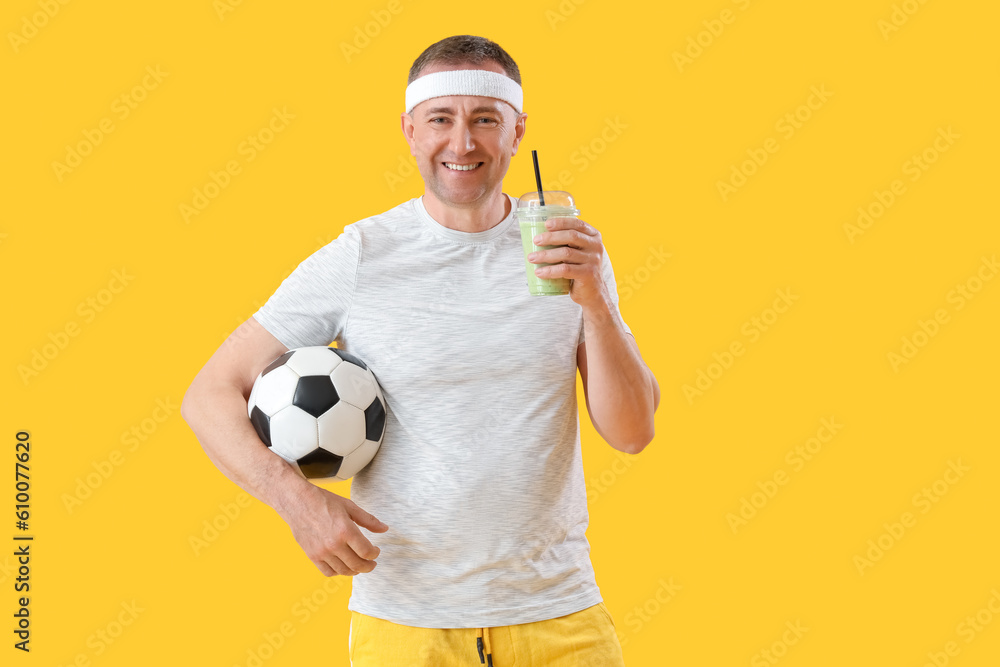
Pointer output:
x,y
460,141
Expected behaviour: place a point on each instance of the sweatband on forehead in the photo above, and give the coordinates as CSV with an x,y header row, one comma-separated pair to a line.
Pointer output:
x,y
464,82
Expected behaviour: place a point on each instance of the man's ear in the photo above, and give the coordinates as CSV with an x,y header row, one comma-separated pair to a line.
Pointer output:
x,y
406,124
519,130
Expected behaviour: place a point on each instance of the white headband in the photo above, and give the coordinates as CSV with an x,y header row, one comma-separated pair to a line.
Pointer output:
x,y
464,82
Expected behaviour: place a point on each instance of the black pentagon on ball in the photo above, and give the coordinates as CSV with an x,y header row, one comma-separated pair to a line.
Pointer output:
x,y
375,420
262,424
315,394
280,361
320,463
347,356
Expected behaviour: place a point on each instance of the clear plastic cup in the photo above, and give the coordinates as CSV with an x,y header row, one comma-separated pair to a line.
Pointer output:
x,y
531,216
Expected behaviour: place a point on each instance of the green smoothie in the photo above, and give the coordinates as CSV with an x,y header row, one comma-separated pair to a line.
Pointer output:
x,y
539,286
531,217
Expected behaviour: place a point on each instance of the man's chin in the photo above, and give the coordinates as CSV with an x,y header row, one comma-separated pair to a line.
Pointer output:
x,y
461,198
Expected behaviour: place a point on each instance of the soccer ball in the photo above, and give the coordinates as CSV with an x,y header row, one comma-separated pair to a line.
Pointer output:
x,y
320,409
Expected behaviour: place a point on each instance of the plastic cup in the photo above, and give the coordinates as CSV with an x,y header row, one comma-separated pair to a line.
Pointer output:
x,y
531,216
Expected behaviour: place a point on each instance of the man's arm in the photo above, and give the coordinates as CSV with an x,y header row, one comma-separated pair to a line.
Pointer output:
x,y
215,407
620,390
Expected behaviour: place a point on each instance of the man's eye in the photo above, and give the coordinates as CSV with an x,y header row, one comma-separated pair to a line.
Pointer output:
x,y
434,121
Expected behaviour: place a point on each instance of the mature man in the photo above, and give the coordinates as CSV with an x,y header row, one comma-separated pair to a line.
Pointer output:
x,y
483,556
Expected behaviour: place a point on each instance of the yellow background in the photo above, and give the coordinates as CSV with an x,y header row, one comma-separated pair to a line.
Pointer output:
x,y
663,518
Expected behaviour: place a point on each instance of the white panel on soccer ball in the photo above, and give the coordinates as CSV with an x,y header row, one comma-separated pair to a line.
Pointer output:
x,y
357,460
315,360
341,428
289,460
293,433
354,385
252,401
276,390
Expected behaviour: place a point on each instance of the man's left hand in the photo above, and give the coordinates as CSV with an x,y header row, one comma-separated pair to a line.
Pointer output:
x,y
581,259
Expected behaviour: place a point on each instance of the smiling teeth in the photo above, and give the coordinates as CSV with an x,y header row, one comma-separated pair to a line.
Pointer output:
x,y
461,167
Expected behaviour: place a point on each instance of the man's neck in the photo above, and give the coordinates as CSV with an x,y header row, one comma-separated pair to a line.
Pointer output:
x,y
478,219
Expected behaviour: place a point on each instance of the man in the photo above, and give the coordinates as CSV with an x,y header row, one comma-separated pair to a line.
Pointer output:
x,y
479,479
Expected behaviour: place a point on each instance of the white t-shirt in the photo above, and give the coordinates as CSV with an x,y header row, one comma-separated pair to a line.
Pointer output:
x,y
479,476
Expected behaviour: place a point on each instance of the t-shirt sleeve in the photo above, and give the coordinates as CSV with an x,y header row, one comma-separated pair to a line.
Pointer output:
x,y
609,280
311,305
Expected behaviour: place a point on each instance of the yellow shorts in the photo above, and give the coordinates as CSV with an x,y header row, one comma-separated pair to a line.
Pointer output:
x,y
586,638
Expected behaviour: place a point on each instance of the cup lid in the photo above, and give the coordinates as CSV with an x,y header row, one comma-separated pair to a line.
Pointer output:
x,y
552,198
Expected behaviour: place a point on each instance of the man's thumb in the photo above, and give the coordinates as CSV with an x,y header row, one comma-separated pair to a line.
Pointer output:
x,y
367,520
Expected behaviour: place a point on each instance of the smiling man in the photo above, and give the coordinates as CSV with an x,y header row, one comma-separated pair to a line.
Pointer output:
x,y
463,143
478,485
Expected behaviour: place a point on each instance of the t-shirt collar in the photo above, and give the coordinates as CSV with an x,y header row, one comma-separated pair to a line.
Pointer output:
x,y
458,236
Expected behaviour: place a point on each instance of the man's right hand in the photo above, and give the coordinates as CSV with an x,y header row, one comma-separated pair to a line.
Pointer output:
x,y
215,406
323,524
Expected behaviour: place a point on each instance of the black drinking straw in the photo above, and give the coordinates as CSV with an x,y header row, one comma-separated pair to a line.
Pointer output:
x,y
538,178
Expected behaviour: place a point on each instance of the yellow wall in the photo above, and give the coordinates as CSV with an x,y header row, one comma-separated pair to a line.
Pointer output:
x,y
731,145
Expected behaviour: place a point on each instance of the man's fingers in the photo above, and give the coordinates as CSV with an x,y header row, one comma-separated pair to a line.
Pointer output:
x,y
571,223
325,568
565,237
366,519
360,545
561,254
355,564
338,567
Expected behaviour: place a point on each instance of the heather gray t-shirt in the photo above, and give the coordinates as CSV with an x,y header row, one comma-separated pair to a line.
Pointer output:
x,y
479,476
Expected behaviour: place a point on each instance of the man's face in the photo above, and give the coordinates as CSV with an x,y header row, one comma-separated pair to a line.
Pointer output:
x,y
464,130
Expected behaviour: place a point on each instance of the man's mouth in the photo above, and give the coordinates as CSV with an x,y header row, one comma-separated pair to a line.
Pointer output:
x,y
462,167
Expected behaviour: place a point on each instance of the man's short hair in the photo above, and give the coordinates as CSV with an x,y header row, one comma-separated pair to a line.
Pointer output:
x,y
461,49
